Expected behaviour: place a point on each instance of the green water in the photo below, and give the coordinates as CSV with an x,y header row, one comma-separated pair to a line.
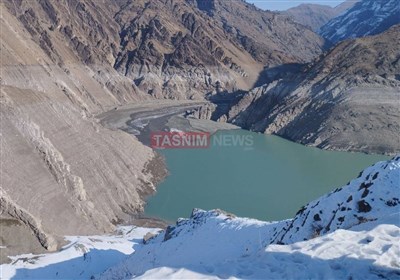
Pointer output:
x,y
269,180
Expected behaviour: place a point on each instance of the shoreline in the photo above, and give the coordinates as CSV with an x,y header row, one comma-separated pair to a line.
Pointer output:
x,y
139,120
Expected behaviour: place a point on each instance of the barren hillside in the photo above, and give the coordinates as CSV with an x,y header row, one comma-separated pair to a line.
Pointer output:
x,y
346,100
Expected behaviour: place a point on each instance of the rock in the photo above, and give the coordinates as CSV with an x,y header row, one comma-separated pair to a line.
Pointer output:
x,y
148,236
363,206
316,217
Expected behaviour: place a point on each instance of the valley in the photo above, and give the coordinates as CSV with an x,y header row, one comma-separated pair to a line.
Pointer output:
x,y
294,104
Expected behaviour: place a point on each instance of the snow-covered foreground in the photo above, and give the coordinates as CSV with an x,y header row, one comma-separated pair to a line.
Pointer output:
x,y
368,253
350,233
82,258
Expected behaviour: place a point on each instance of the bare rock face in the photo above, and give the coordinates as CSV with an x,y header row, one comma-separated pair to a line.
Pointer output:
x,y
269,37
197,47
346,100
62,173
189,49
312,15
204,112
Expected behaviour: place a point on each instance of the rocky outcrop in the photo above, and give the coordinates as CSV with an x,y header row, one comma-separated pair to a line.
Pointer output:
x,y
346,100
266,35
10,210
204,112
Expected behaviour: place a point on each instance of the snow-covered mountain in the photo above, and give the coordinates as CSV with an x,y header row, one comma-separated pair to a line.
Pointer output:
x,y
351,233
368,17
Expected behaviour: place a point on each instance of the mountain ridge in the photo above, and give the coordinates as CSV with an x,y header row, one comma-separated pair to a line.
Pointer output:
x,y
346,100
365,18
316,15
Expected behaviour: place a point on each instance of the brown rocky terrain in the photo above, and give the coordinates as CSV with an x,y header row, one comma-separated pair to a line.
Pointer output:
x,y
61,171
196,47
348,100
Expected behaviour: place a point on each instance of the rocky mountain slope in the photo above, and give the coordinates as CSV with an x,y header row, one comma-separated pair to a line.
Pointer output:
x,y
352,232
367,17
61,172
196,47
316,15
192,48
346,100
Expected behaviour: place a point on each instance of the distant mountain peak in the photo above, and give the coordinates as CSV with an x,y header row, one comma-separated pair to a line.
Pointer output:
x,y
316,15
368,17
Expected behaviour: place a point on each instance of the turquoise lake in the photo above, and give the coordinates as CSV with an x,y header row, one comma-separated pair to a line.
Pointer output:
x,y
268,179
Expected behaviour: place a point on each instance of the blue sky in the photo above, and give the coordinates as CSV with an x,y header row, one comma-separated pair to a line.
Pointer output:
x,y
286,4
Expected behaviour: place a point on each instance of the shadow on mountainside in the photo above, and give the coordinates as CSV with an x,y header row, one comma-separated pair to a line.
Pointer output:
x,y
83,267
276,265
270,74
271,265
224,101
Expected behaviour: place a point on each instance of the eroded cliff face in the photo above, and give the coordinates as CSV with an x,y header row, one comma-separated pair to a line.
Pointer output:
x,y
347,100
189,50
61,172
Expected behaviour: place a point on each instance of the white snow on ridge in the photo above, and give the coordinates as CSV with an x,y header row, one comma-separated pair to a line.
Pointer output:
x,y
371,196
367,17
82,258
